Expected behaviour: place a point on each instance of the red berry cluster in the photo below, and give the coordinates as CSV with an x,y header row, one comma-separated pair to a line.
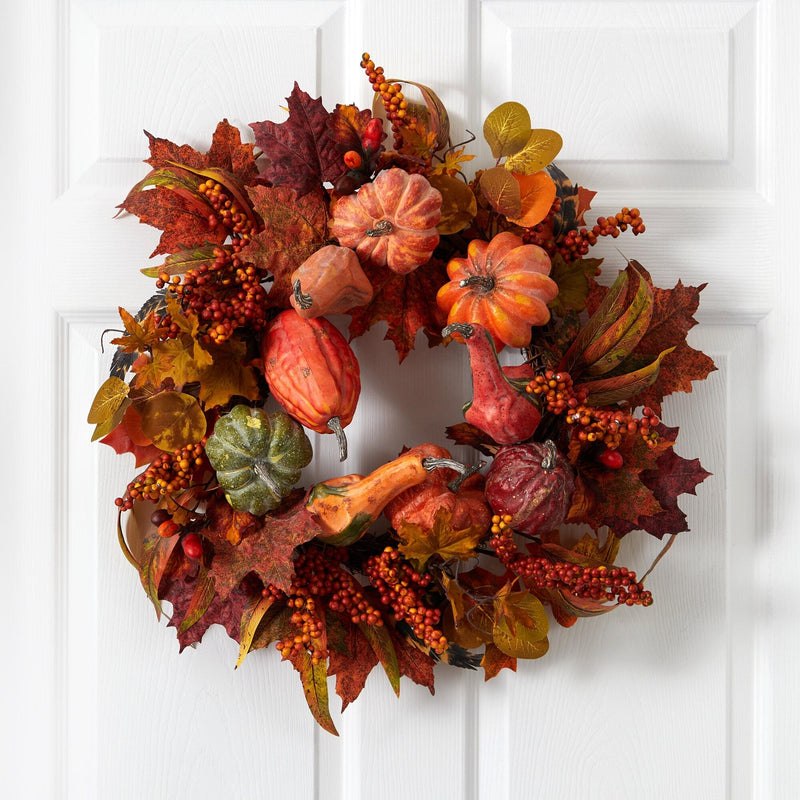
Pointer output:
x,y
169,473
227,211
616,584
576,242
606,425
320,574
401,588
603,584
225,295
394,102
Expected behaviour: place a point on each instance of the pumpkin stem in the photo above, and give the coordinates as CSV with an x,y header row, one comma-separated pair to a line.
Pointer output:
x,y
335,425
302,299
382,228
549,461
483,282
465,473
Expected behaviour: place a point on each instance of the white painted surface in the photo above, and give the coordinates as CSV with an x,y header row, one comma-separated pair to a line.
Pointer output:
x,y
685,109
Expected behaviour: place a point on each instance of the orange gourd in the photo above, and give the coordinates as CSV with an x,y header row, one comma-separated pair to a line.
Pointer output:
x,y
503,285
390,221
312,372
330,281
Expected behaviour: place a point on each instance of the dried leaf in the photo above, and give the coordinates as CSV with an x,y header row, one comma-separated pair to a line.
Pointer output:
x,y
108,400
251,619
502,191
420,544
494,659
172,420
573,285
459,204
537,192
381,643
201,599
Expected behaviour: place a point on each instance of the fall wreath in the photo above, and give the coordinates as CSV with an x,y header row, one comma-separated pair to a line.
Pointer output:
x,y
425,559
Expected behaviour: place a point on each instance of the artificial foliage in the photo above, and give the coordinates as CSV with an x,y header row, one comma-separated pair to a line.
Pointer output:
x,y
372,212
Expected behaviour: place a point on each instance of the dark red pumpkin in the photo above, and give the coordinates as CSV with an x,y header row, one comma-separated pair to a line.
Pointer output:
x,y
533,483
312,372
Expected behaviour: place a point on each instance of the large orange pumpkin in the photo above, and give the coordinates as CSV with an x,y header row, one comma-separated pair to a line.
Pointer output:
x,y
503,285
391,221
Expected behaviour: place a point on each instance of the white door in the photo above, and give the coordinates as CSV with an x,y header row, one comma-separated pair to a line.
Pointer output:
x,y
685,109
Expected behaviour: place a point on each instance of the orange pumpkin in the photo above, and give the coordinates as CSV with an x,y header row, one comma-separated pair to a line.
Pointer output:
x,y
330,281
503,285
391,221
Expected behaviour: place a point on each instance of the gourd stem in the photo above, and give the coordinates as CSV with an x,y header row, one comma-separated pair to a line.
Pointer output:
x,y
382,228
485,282
335,425
462,328
302,299
463,470
549,461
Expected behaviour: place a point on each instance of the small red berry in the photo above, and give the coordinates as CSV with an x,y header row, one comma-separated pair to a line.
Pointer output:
x,y
611,459
352,159
168,528
192,546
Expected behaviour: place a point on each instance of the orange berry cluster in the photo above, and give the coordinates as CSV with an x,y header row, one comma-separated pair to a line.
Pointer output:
x,y
169,473
394,102
225,295
606,585
575,243
502,540
227,212
320,574
401,588
607,425
308,628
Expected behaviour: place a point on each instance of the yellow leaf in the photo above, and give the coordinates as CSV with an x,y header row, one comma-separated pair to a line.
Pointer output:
x,y
537,193
541,148
507,129
227,376
173,420
419,544
520,624
251,619
453,159
502,191
108,400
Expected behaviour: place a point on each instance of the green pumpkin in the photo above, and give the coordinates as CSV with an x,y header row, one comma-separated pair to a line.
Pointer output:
x,y
257,457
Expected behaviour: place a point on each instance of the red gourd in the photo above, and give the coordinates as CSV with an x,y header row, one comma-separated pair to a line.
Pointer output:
x,y
533,483
312,372
443,488
498,407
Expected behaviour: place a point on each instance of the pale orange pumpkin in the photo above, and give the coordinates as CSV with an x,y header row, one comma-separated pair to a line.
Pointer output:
x,y
503,285
390,221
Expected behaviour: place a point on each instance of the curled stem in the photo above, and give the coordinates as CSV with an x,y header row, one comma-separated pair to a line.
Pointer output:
x,y
382,228
335,425
302,299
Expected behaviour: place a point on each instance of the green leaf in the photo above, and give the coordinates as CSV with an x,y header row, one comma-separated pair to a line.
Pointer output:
x,y
507,129
541,148
381,643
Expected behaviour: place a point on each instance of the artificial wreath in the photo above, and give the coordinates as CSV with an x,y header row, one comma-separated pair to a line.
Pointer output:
x,y
424,560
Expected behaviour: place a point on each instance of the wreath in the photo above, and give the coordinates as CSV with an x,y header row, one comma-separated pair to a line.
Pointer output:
x,y
424,560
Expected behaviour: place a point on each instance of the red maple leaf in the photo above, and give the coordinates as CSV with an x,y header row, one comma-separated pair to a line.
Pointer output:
x,y
266,548
351,659
407,303
294,228
128,437
301,152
